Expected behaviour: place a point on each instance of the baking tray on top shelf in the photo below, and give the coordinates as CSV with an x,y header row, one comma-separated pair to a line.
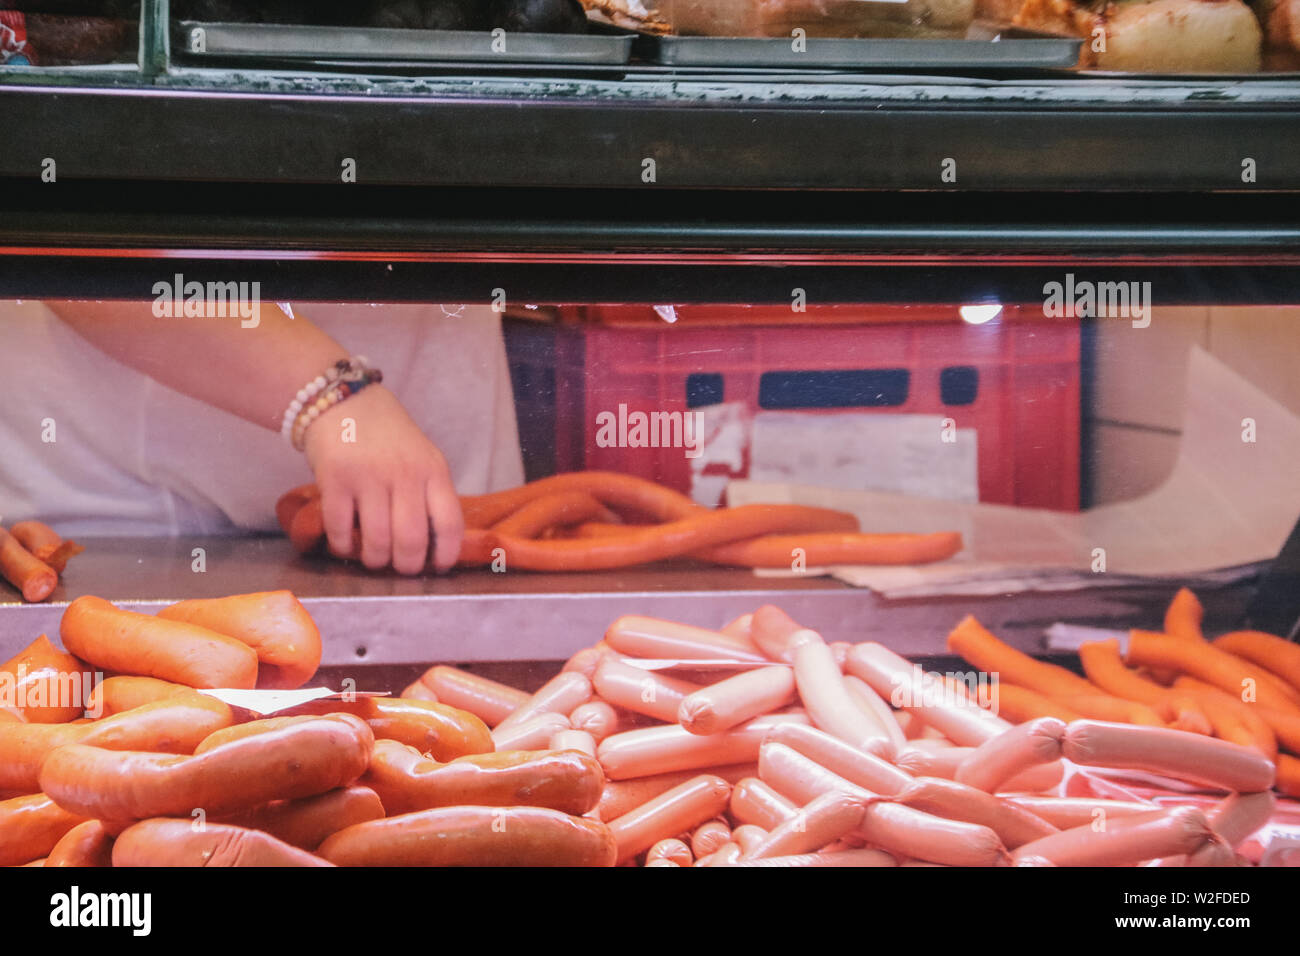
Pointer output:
x,y
279,42
978,50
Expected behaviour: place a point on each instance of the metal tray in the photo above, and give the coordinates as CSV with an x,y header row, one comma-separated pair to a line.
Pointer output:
x,y
279,41
903,54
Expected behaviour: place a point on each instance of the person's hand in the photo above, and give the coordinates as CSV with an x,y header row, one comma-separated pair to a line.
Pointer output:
x,y
381,468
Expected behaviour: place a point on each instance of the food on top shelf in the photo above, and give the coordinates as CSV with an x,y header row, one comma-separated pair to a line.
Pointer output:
x,y
32,556
852,758
594,520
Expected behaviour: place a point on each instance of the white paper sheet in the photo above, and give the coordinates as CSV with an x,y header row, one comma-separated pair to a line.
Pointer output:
x,y
1227,504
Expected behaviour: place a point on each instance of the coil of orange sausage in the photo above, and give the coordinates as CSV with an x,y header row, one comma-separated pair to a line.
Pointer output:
x,y
34,579
30,827
273,623
128,643
678,810
625,493
441,731
1274,654
560,695
171,842
1203,760
829,547
827,700
820,823
533,734
904,684
996,761
641,691
638,636
474,836
1014,825
407,781
312,756
489,700
638,753
175,725
88,844
859,767
307,822
1126,841
559,509
41,676
736,699
621,796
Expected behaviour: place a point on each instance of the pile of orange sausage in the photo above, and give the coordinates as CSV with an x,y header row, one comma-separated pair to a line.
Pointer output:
x,y
595,520
760,744
32,556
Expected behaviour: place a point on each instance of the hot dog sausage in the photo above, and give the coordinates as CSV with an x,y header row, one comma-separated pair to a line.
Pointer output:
x,y
676,811
87,844
755,802
823,821
996,761
117,694
474,836
709,837
1066,813
873,704
1014,825
623,796
736,699
596,717
840,858
489,700
560,695
34,579
50,685
638,636
578,740
30,827
1126,841
533,734
638,753
1204,760
864,769
441,731
827,700
916,835
641,691
671,849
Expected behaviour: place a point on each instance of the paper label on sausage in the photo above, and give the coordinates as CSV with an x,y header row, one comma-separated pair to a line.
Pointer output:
x,y
273,701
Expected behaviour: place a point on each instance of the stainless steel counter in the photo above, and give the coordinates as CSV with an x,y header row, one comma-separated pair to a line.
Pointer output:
x,y
385,619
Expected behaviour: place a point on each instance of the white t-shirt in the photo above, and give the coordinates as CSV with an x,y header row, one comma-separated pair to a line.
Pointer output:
x,y
132,457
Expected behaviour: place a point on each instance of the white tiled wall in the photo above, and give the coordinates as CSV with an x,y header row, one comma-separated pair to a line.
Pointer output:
x,y
1135,420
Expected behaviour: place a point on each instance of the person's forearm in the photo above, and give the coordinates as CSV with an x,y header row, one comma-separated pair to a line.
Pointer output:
x,y
253,372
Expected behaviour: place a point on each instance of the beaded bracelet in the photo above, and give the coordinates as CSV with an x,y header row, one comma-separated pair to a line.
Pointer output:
x,y
342,380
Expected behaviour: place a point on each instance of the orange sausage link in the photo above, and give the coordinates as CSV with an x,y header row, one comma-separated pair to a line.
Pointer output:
x,y
51,685
1183,616
1213,665
832,547
273,623
407,781
1203,760
736,699
943,706
175,725
311,756
625,493
1014,825
44,543
1274,654
30,827
128,643
307,822
489,700
533,734
439,730
641,691
823,821
638,753
1126,841
167,842
554,510
560,695
638,636
995,762
87,844
1019,704
1234,720
675,811
980,648
34,579
474,836
755,802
